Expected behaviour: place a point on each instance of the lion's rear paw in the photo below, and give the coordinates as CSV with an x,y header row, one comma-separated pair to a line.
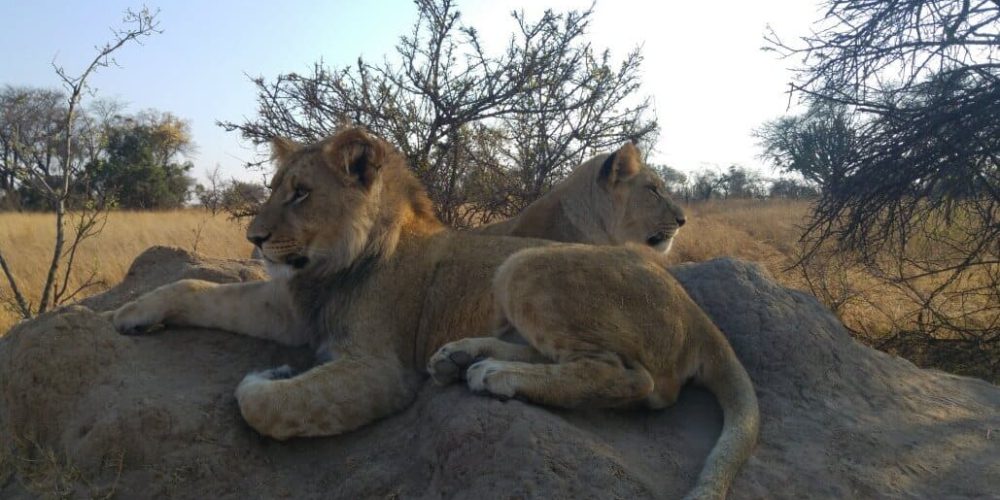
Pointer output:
x,y
280,373
490,376
449,362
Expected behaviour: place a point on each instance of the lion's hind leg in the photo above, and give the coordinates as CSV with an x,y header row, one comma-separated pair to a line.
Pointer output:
x,y
591,380
450,361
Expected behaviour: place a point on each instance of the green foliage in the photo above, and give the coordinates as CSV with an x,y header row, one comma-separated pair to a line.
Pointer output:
x,y
132,159
137,172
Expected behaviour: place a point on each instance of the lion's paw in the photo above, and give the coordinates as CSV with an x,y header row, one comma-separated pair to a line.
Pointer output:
x,y
280,373
490,376
136,317
253,379
449,362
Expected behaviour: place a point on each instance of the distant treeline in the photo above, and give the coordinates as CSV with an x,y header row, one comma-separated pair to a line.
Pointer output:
x,y
736,182
128,160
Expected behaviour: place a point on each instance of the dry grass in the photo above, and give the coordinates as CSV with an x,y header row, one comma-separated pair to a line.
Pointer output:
x,y
761,231
27,240
46,473
767,232
876,312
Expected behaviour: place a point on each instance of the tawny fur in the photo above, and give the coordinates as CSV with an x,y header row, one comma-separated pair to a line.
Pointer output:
x,y
366,270
609,199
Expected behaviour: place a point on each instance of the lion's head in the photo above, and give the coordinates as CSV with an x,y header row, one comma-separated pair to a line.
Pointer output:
x,y
335,201
618,195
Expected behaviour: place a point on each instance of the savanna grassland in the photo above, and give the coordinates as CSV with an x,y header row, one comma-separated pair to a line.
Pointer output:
x,y
766,232
878,311
27,239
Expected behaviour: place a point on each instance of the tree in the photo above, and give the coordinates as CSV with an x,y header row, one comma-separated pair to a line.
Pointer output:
x,y
740,182
31,121
241,199
820,145
792,189
129,159
54,177
675,180
735,182
138,169
487,134
706,185
210,196
917,200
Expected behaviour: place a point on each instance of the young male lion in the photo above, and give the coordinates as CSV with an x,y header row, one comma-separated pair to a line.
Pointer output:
x,y
588,207
361,265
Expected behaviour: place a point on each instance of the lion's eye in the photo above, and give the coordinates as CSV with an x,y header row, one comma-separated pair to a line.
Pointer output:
x,y
298,196
656,192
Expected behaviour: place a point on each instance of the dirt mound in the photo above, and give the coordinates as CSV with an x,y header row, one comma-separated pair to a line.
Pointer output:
x,y
86,411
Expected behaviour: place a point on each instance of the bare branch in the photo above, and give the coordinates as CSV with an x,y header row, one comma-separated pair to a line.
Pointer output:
x,y
486,133
23,307
138,25
915,199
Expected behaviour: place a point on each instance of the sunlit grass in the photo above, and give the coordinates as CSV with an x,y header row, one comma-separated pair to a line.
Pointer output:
x,y
26,240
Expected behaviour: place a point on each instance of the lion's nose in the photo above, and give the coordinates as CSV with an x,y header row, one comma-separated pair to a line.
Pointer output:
x,y
257,239
681,220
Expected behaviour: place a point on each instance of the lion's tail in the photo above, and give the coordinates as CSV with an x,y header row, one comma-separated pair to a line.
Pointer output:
x,y
728,380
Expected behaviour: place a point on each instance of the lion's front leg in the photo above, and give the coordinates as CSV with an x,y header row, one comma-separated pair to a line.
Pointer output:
x,y
329,399
257,309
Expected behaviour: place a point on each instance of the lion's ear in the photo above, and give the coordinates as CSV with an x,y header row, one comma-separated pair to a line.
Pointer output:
x,y
357,155
621,164
281,148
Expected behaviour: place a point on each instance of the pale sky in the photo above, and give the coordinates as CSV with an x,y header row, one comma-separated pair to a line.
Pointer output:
x,y
711,83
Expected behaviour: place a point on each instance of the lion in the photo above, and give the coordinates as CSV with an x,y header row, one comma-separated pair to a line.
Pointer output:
x,y
586,208
362,268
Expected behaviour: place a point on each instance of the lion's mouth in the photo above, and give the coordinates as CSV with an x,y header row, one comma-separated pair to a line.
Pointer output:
x,y
284,252
661,240
294,260
297,261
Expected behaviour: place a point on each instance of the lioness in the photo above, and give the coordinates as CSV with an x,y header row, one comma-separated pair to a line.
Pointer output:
x,y
587,207
361,264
